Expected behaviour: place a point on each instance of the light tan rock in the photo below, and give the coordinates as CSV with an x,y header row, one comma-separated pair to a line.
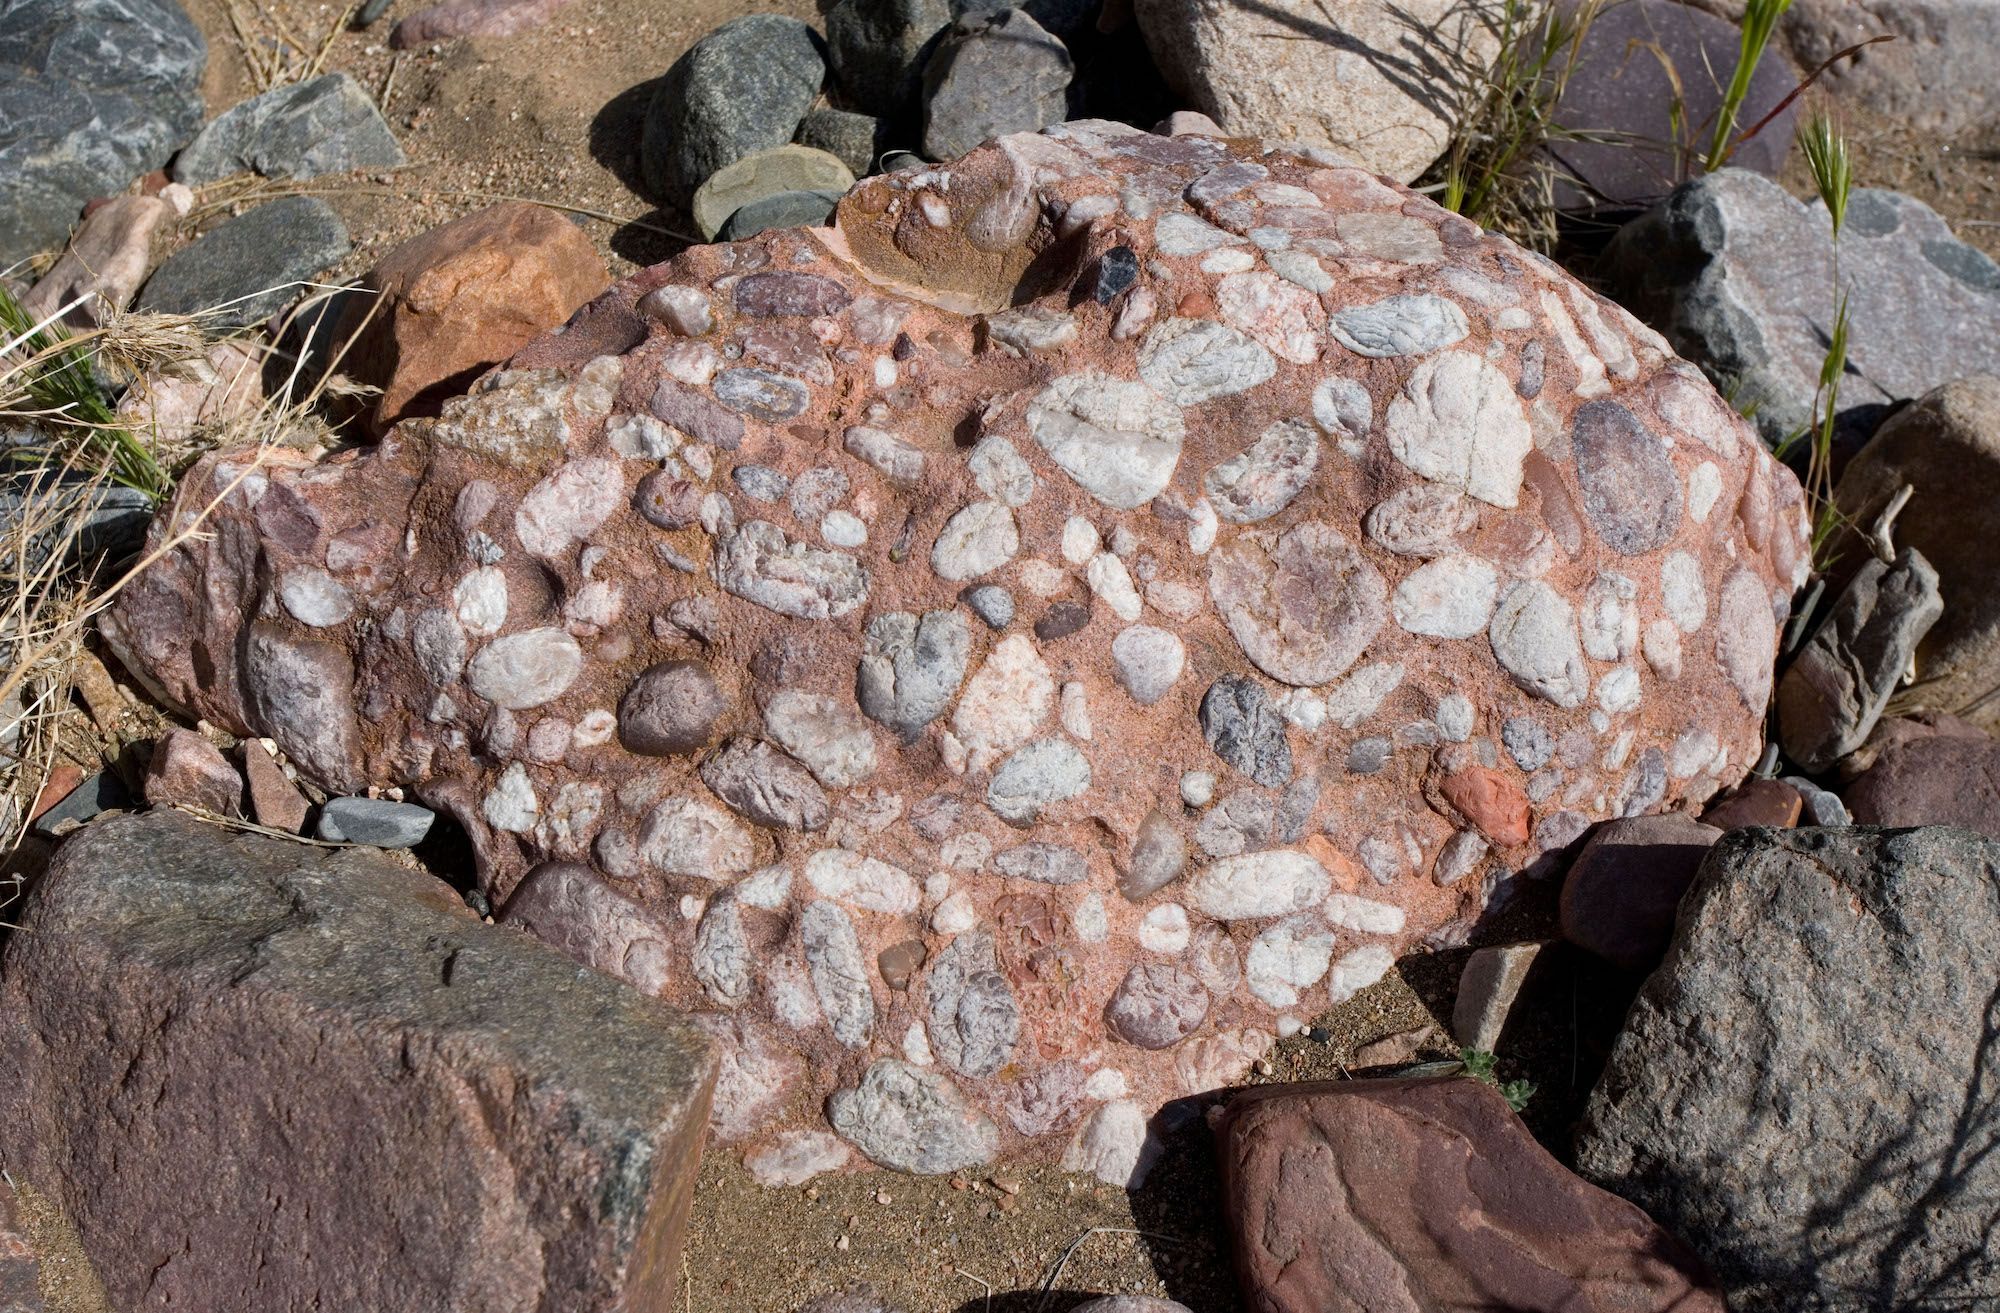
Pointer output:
x,y
695,602
1377,82
1487,988
762,174
106,262
223,384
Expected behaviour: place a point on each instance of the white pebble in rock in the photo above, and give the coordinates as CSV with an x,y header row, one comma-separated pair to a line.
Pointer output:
x,y
974,1020
1118,439
526,669
1451,597
1399,326
315,597
1458,422
792,1158
977,540
1114,1145
1302,604
1682,591
1036,777
1534,639
1455,717
568,505
1198,788
1258,885
1746,637
826,734
1358,970
838,971
1164,930
1007,699
1265,478
1189,361
1423,519
1288,957
758,563
868,883
998,471
1147,662
912,1120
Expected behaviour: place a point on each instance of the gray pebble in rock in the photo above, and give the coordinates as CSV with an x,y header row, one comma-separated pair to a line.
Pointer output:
x,y
1238,824
989,76
766,787
722,961
1822,807
254,264
785,209
91,97
1246,731
878,49
839,972
1158,1005
1265,478
1042,862
762,394
1527,742
911,668
1631,493
1039,775
1295,808
853,139
326,125
760,482
376,822
912,1120
975,1021
671,709
668,500
1159,857
991,603
744,87
1147,662
1367,756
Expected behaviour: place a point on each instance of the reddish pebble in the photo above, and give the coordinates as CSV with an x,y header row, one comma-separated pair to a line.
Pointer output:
x,y
1494,804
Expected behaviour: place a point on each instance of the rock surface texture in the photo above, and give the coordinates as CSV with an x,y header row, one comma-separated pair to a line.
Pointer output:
x,y
1946,449
1008,651
1739,275
1805,1088
1378,82
1405,1196
324,125
92,95
1943,780
194,1017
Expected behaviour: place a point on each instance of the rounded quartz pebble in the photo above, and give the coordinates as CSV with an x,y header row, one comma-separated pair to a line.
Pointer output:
x,y
1019,649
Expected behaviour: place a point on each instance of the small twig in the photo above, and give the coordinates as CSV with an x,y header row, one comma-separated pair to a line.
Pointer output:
x,y
1885,524
1055,1273
982,1281
232,823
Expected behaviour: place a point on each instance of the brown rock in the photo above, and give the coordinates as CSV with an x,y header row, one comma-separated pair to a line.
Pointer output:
x,y
972,386
1496,805
1893,731
438,1115
1394,1050
274,800
1757,802
189,771
1487,987
1407,1196
1619,898
1944,780
464,296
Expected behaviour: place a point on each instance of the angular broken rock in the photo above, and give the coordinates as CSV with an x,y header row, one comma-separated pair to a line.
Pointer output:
x,y
187,1002
1412,1195
790,466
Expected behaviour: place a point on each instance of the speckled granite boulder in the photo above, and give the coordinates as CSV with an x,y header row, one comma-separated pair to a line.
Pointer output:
x,y
842,617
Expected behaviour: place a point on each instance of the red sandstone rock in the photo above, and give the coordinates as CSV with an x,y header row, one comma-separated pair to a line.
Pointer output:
x,y
1942,780
261,1075
1626,882
106,262
1494,804
464,296
1758,802
928,580
189,771
274,800
1408,1196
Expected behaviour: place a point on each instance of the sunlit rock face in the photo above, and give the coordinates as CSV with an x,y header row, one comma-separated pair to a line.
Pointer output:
x,y
1007,655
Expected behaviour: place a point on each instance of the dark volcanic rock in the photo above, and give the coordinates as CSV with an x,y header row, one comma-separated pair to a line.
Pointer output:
x,y
378,1102
93,93
992,74
253,266
1805,1089
878,48
744,87
1414,1195
327,125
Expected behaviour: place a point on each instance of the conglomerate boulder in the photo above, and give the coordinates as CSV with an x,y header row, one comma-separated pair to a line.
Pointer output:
x,y
1006,654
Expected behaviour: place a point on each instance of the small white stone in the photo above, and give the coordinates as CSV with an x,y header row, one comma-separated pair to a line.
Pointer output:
x,y
1704,486
1288,957
768,889
843,529
1357,971
1618,690
1075,710
1198,788
1682,591
1662,647
977,540
512,805
1106,1083
1610,620
480,600
864,882
1203,524
1303,707
1229,260
1147,662
1174,598
1451,597
1164,929
1534,639
1455,717
1361,694
917,1045
1007,699
998,471
1458,422
1079,541
315,597
1255,886
1110,580
955,915
1365,915
1090,921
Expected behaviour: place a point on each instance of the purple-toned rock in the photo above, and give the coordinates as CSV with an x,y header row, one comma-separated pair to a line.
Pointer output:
x,y
1401,1196
1619,897
1346,554
274,800
310,1042
189,771
1944,780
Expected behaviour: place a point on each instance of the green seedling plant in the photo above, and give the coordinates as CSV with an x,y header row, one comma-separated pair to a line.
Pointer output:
x,y
1483,1066
48,377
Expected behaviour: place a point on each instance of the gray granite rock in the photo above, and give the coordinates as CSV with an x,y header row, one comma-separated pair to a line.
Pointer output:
x,y
1739,276
1804,1090
93,93
326,125
853,139
376,822
252,1055
1842,678
992,74
1939,75
252,266
878,49
787,209
744,87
